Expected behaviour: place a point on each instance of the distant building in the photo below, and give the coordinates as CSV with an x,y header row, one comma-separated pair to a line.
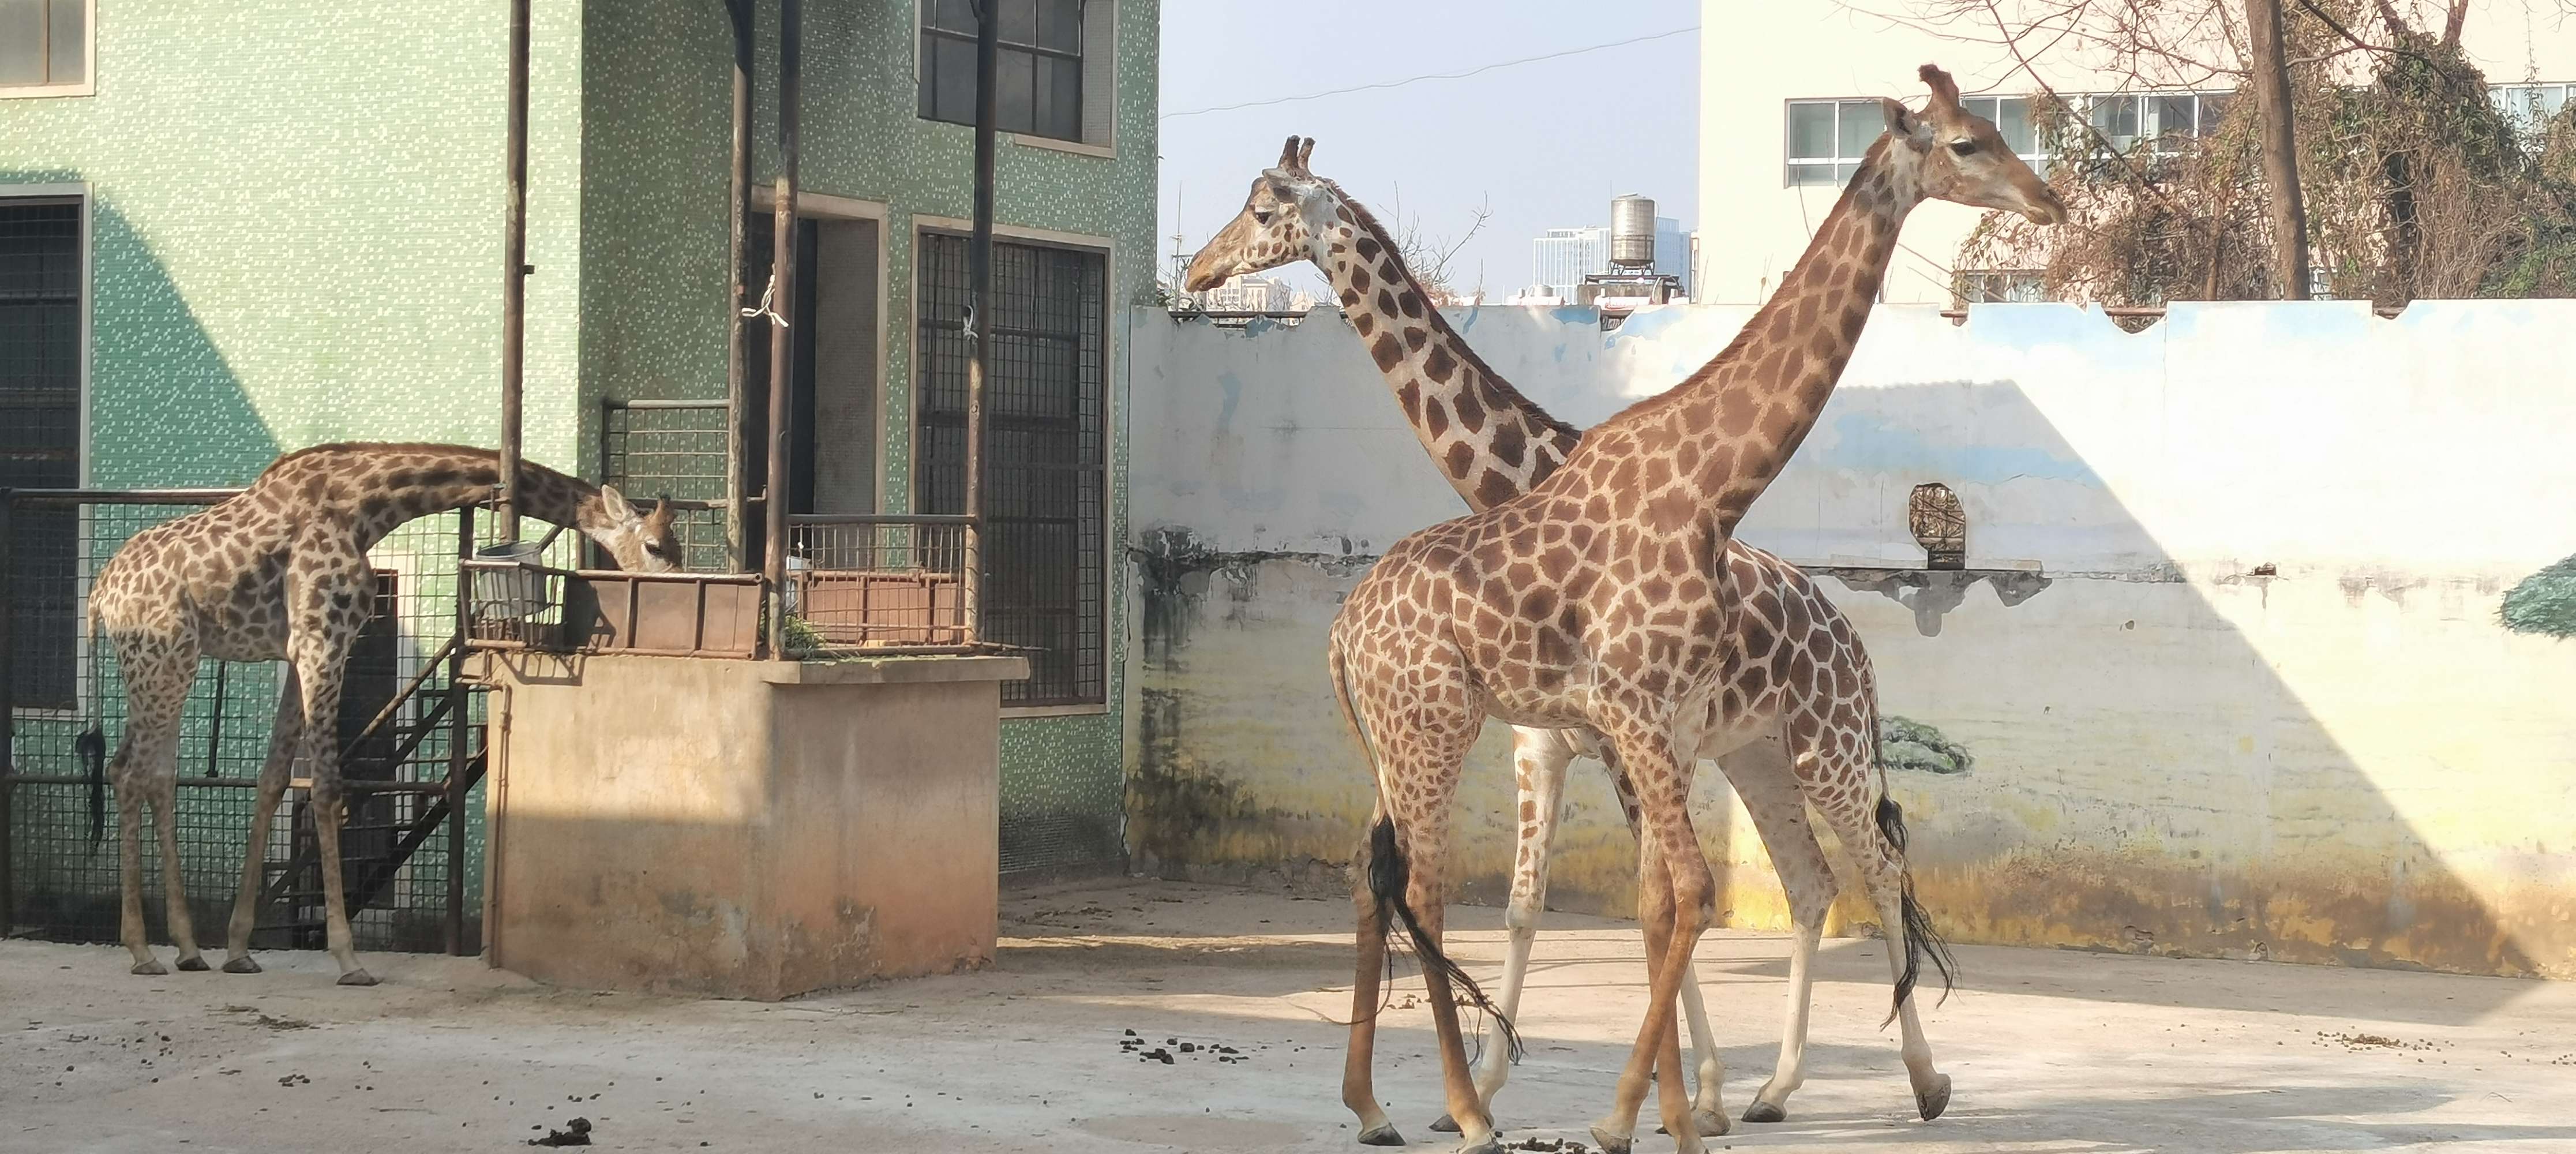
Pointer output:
x,y
1251,293
1561,259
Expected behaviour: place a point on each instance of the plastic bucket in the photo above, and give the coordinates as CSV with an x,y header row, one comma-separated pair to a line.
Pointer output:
x,y
514,593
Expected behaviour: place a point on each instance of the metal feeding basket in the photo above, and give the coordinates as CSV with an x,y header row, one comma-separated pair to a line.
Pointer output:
x,y
508,590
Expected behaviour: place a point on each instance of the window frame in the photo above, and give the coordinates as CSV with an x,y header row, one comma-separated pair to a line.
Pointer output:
x,y
87,85
1111,416
82,195
1084,58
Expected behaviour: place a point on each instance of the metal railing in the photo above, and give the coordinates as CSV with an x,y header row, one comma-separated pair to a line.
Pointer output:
x,y
879,583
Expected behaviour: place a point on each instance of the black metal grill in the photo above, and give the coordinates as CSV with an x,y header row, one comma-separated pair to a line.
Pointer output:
x,y
652,449
1044,458
40,379
409,873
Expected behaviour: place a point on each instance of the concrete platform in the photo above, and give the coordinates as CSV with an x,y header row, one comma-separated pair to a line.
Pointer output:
x,y
2053,1052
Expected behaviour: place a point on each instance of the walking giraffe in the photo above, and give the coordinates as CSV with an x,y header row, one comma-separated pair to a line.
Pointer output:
x,y
1599,598
278,572
1791,652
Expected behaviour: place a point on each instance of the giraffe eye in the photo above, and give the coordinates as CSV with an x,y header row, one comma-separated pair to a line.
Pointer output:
x,y
1963,147
1260,216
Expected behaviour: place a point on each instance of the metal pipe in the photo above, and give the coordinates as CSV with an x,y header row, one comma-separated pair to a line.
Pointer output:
x,y
9,704
215,723
979,292
514,271
456,734
737,326
782,346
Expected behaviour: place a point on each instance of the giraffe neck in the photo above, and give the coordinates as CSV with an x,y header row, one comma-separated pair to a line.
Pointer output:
x,y
1490,442
384,485
1765,390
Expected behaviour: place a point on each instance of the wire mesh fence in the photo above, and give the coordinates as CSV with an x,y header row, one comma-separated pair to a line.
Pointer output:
x,y
407,728
676,449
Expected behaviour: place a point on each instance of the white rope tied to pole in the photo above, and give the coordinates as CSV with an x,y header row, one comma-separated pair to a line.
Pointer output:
x,y
766,295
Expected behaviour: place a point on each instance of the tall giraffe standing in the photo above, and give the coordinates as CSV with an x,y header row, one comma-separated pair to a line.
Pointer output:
x,y
278,572
1791,652
1598,599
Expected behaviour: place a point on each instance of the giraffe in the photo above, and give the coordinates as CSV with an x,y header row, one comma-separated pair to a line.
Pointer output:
x,y
1599,598
278,572
1492,443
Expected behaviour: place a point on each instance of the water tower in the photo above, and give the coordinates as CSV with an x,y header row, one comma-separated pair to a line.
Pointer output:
x,y
1632,280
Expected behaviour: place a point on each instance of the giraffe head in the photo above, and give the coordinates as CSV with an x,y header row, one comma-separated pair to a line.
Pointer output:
x,y
1288,209
1956,155
642,542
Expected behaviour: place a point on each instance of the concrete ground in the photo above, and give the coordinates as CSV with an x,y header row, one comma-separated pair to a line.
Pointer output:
x,y
2051,1051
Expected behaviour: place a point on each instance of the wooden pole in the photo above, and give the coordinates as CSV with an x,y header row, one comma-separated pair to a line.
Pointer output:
x,y
782,346
979,294
514,272
737,326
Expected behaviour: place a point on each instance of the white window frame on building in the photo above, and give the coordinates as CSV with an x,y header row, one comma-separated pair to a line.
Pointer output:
x,y
1853,125
1085,43
2154,116
65,61
2530,106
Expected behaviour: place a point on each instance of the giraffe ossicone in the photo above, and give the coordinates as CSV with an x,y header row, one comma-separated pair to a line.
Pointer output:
x,y
279,572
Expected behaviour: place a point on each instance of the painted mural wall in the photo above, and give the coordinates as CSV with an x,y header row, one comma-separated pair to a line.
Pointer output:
x,y
2225,674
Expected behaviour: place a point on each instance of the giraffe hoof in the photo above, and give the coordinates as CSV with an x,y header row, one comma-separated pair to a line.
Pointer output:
x,y
1491,1145
152,969
1709,1123
1381,1136
1765,1112
1935,1098
1611,1143
193,964
1446,1125
357,978
241,965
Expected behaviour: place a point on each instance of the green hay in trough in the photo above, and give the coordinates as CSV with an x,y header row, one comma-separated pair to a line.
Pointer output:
x,y
1905,743
2545,602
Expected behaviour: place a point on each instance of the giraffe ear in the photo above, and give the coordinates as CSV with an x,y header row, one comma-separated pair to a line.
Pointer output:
x,y
1902,123
614,503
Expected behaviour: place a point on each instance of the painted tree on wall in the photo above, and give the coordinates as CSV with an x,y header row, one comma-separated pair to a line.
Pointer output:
x,y
2545,602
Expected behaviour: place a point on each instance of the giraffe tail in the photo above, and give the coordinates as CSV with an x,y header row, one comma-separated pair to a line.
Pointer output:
x,y
1921,940
91,746
1389,873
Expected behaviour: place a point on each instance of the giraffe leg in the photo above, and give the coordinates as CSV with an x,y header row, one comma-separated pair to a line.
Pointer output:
x,y
325,611
283,736
1539,758
1763,777
1662,782
1882,870
1358,1093
163,793
157,671
1423,850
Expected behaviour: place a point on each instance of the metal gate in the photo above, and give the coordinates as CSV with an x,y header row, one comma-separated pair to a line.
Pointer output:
x,y
410,730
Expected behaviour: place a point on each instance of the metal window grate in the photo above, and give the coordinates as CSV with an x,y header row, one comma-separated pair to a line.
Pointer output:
x,y
651,449
1037,65
40,381
1045,453
1939,524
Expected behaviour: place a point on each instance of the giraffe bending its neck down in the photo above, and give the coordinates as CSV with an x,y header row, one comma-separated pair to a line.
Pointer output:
x,y
1790,652
279,573
1601,597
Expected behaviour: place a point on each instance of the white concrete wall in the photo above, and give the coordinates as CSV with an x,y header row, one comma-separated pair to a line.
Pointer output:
x,y
2347,760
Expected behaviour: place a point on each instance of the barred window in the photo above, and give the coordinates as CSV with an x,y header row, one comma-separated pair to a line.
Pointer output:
x,y
1038,79
40,384
1045,453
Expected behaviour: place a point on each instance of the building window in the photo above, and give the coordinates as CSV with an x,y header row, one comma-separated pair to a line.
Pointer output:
x,y
1998,286
2530,107
1046,75
44,47
2165,121
40,388
1829,138
1045,453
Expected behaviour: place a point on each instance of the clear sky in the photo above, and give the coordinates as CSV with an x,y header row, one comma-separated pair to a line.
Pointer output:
x,y
1544,145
